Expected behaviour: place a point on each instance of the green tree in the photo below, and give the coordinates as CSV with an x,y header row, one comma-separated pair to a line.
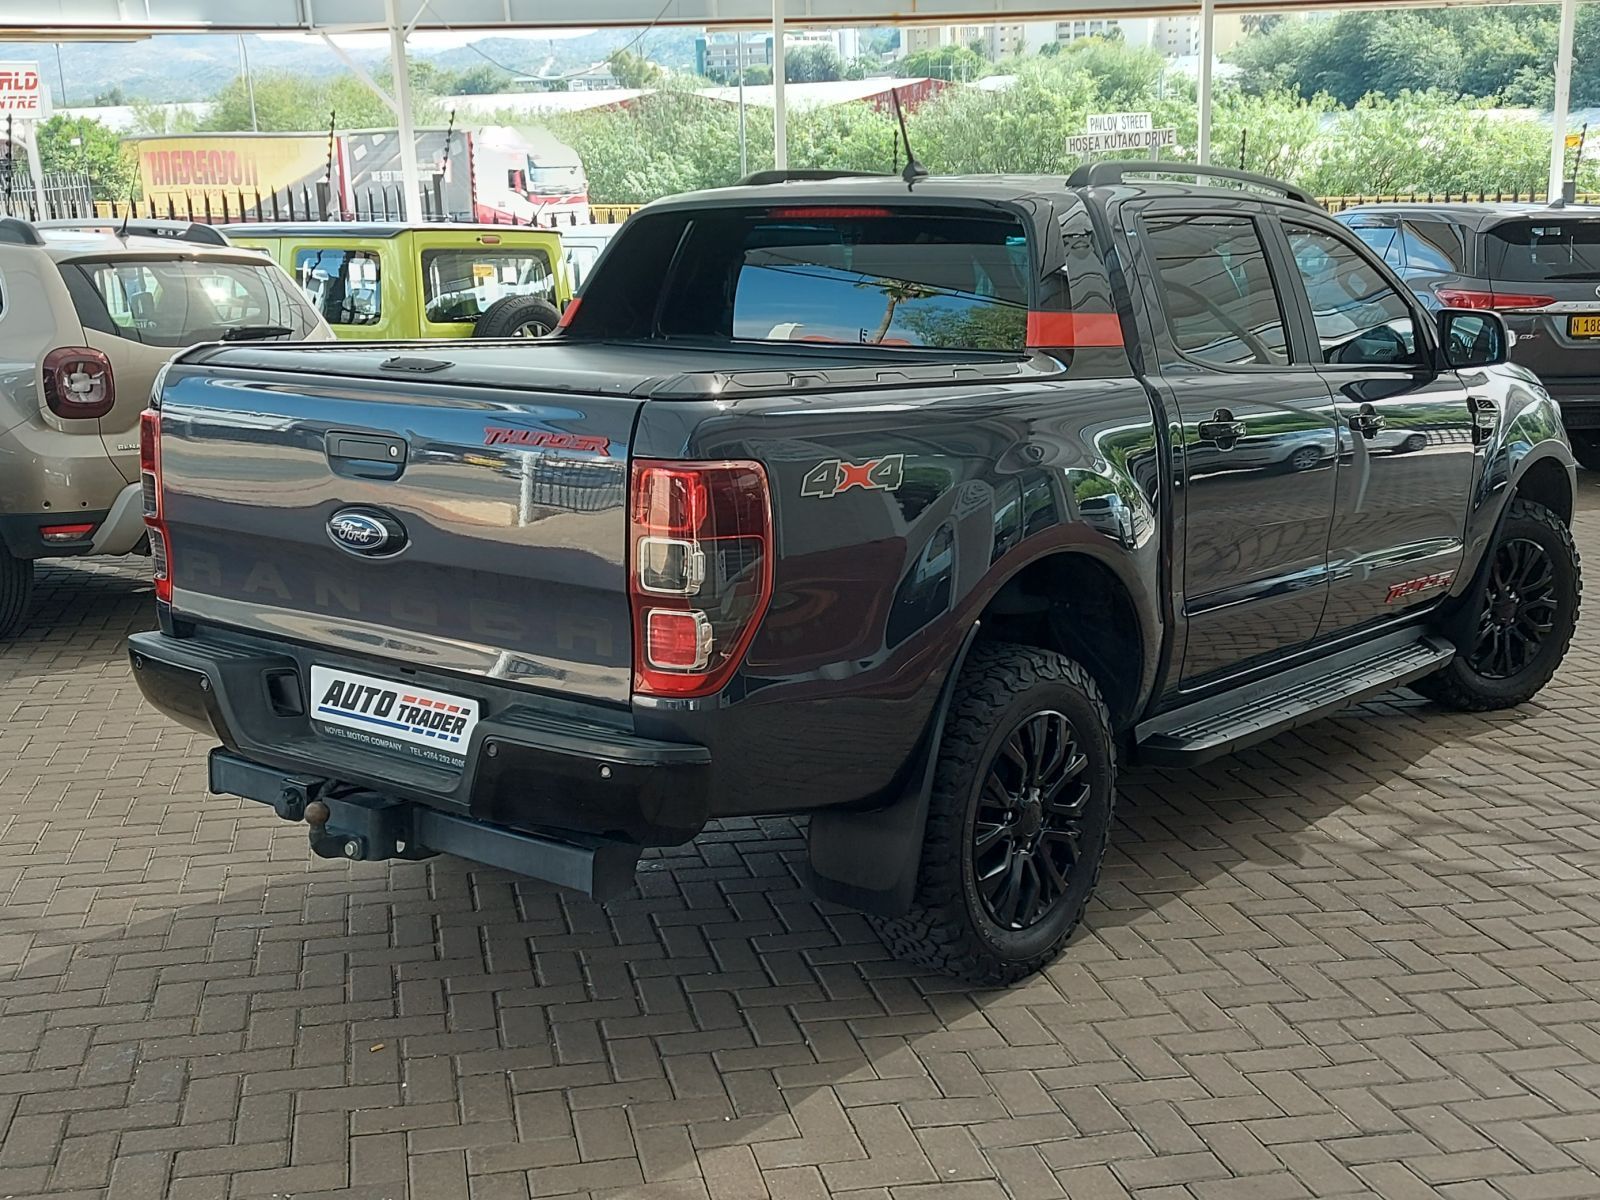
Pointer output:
x,y
634,70
950,63
82,144
812,64
758,74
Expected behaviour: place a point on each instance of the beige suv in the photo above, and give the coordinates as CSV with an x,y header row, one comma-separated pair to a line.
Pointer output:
x,y
88,314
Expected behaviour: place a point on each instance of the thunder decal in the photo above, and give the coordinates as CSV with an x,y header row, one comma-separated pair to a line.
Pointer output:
x,y
495,435
834,477
1414,587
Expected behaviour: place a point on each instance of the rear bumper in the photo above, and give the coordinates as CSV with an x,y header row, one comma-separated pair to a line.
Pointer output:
x,y
562,774
123,529
1579,397
20,533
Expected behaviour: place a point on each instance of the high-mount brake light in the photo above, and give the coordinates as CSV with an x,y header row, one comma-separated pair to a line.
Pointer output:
x,y
829,212
699,571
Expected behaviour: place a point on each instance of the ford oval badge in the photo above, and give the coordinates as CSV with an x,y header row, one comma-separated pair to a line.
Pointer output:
x,y
367,532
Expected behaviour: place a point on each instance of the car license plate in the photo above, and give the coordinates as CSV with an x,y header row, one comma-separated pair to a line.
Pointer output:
x,y
1583,327
399,717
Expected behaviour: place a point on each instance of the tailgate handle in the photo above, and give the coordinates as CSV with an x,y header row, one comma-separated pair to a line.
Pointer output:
x,y
367,455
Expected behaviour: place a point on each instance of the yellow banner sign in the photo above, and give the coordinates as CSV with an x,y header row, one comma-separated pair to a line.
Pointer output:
x,y
187,170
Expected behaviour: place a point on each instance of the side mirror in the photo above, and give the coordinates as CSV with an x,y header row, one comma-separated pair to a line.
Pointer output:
x,y
1472,337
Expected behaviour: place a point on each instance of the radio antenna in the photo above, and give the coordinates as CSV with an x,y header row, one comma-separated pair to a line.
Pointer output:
x,y
913,170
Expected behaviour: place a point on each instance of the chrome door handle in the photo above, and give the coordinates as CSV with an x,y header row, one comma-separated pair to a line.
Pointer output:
x,y
1223,429
1368,421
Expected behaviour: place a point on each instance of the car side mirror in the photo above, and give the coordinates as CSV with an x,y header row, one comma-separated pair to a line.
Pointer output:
x,y
1473,337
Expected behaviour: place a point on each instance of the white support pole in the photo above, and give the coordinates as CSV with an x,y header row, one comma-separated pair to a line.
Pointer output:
x,y
411,177
1208,31
780,115
1558,139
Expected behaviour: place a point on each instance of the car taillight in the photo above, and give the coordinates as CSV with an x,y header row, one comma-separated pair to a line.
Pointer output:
x,y
1500,301
699,569
155,524
78,383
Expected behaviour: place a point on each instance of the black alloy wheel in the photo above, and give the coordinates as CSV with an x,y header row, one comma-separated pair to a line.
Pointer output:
x,y
1027,826
1519,612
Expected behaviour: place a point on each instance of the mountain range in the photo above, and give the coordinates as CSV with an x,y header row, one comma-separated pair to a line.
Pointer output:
x,y
179,67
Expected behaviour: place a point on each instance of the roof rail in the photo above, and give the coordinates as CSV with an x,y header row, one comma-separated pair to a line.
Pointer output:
x,y
799,175
1103,174
184,231
17,232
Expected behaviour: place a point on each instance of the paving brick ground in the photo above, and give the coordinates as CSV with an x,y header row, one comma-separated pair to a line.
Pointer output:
x,y
1363,960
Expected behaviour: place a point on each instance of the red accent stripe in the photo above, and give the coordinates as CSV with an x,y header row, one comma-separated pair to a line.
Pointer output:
x,y
1074,330
569,312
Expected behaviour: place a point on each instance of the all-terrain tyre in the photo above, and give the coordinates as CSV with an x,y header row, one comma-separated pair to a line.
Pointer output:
x,y
1018,819
16,586
1516,624
517,316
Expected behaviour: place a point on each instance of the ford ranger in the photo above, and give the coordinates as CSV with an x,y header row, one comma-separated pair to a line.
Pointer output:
x,y
911,507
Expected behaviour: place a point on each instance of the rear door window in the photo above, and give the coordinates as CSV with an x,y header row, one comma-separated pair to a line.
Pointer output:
x,y
856,276
1383,236
1433,246
345,286
181,302
1542,250
1221,303
459,285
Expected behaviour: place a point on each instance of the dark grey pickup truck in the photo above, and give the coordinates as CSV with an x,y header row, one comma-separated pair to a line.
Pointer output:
x,y
909,508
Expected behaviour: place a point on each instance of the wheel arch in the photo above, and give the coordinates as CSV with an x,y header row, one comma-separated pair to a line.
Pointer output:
x,y
1081,605
1546,481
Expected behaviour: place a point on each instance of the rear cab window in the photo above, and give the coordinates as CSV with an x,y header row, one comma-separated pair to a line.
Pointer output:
x,y
180,302
938,277
458,286
1543,250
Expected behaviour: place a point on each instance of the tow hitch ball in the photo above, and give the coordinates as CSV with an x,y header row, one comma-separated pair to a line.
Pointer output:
x,y
365,827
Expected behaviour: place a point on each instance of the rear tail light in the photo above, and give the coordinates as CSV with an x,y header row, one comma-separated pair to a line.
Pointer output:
x,y
155,523
700,571
1500,301
78,383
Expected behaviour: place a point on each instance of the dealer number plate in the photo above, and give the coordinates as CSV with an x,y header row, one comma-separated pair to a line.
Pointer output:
x,y
1583,327
399,717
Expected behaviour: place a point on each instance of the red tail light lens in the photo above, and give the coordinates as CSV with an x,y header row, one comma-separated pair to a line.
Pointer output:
x,y
1502,301
78,383
828,212
154,516
700,572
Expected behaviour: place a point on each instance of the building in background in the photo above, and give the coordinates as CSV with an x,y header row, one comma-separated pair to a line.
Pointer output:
x,y
717,53
597,78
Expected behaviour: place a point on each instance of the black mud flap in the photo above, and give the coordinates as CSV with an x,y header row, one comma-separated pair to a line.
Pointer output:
x,y
869,860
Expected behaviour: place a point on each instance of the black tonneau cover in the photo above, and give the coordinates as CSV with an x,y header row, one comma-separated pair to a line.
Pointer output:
x,y
647,370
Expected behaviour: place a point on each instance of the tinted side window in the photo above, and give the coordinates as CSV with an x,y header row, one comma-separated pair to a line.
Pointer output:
x,y
343,285
1384,240
1433,246
1222,307
1360,318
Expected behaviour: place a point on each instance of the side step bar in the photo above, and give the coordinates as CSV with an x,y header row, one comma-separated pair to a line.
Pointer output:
x,y
1221,724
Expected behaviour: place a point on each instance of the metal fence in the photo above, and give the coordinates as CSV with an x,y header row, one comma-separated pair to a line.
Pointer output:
x,y
1532,196
64,191
307,202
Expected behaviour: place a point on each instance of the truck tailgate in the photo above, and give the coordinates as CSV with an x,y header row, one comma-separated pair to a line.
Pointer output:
x,y
480,530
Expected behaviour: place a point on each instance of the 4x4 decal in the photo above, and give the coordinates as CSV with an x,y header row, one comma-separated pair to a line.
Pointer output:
x,y
828,479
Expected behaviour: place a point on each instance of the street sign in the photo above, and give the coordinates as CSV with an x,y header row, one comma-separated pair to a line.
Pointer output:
x,y
1144,139
1128,122
22,91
